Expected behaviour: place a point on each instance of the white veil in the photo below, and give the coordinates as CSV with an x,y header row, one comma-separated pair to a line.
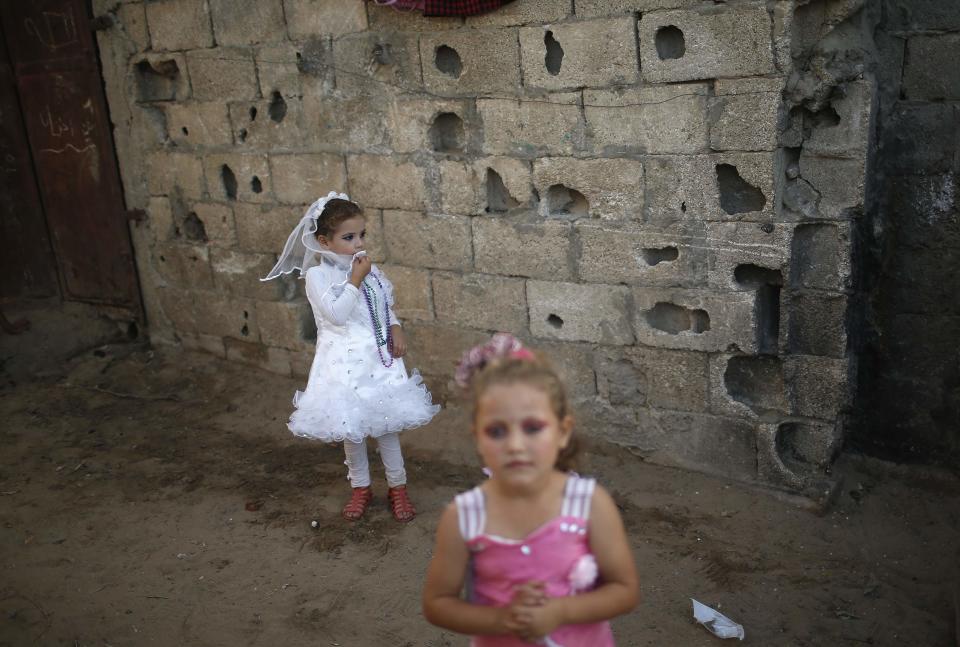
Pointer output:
x,y
302,245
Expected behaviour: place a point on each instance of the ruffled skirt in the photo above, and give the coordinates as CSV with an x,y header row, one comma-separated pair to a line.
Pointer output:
x,y
350,395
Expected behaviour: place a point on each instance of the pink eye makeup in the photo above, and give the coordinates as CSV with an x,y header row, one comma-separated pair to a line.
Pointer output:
x,y
495,431
533,425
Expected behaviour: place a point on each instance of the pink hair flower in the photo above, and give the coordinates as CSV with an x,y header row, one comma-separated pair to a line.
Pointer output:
x,y
500,346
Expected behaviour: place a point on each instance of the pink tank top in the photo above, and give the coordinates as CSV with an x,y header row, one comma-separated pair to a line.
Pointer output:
x,y
548,554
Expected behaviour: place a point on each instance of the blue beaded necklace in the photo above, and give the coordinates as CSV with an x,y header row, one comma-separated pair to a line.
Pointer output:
x,y
381,330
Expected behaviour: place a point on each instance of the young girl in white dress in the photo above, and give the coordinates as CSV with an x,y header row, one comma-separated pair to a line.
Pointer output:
x,y
358,385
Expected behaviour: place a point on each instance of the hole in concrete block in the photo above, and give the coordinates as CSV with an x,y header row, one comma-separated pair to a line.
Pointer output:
x,y
555,321
242,134
554,56
133,331
193,228
253,113
277,108
757,381
229,182
826,117
446,133
448,61
157,80
673,319
245,331
255,185
312,61
499,199
814,259
736,194
185,131
787,443
767,283
802,444
566,202
654,256
382,54
683,207
754,277
670,43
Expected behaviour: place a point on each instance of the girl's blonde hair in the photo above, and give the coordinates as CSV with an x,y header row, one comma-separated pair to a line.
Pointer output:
x,y
534,370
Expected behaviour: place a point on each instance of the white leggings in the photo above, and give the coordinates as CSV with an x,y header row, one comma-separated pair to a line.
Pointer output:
x,y
359,467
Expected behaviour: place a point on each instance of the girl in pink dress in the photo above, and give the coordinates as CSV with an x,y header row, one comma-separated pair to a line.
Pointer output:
x,y
541,552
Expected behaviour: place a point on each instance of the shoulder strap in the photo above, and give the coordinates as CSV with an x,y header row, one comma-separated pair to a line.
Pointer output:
x,y
577,496
471,513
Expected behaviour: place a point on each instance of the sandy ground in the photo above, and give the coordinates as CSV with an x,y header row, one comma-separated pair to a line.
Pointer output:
x,y
156,498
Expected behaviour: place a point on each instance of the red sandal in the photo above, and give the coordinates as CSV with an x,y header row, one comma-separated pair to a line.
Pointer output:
x,y
357,504
403,511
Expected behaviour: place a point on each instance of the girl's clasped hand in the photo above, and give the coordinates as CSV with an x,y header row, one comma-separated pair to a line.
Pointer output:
x,y
544,550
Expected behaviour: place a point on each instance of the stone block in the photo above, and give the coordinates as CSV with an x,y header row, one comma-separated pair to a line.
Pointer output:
x,y
922,15
378,62
275,124
710,42
376,246
133,19
575,312
540,250
694,319
839,184
385,182
413,125
300,363
275,360
920,136
436,349
428,240
930,72
277,70
659,120
735,249
301,179
247,22
201,125
530,129
263,228
621,381
339,124
384,18
238,176
748,386
175,174
287,325
663,256
461,187
483,301
679,188
640,376
570,55
412,293
468,62
308,18
734,98
597,419
179,24
696,441
160,217
817,324
522,12
217,221
850,135
238,274
497,185
821,256
782,14
818,386
575,365
203,343
611,189
222,74
183,266
597,8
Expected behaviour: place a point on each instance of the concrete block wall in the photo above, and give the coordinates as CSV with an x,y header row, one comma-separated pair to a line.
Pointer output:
x,y
640,188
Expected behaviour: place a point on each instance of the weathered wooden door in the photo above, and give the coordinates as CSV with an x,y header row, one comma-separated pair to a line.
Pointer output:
x,y
58,80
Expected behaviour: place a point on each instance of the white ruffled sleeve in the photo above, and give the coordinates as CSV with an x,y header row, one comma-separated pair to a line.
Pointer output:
x,y
388,290
332,300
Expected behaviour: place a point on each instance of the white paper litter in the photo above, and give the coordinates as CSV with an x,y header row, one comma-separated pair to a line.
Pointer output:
x,y
716,623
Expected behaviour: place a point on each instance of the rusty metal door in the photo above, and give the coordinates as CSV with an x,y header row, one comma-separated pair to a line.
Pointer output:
x,y
58,79
27,265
